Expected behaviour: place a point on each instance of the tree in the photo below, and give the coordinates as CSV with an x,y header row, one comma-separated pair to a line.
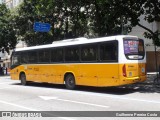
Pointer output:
x,y
7,33
152,14
105,20
59,13
69,19
96,18
29,13
131,10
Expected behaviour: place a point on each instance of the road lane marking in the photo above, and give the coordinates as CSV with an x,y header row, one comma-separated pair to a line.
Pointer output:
x,y
97,105
126,98
7,87
7,82
12,104
48,97
133,99
118,97
31,109
85,103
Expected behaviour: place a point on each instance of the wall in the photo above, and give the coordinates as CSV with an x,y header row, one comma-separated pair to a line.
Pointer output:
x,y
150,48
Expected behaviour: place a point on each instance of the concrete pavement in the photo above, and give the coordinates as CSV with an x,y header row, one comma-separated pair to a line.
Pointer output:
x,y
49,97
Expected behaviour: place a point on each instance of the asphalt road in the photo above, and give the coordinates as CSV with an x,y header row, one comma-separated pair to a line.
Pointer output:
x,y
49,97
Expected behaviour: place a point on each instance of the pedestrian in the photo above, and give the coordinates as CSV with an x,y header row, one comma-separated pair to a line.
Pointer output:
x,y
1,70
6,71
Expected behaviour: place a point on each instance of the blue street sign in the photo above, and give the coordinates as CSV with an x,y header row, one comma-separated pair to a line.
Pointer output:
x,y
41,27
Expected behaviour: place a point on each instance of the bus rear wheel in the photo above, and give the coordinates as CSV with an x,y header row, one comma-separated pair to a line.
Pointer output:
x,y
23,79
70,82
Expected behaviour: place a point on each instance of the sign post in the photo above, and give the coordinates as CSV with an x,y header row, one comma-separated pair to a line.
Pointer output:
x,y
41,27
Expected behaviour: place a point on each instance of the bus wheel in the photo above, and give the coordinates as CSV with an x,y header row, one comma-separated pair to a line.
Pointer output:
x,y
70,82
23,79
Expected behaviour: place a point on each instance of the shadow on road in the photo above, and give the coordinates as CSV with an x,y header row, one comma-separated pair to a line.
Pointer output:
x,y
145,87
149,86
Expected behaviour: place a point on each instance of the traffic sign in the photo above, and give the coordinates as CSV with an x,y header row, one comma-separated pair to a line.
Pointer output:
x,y
41,27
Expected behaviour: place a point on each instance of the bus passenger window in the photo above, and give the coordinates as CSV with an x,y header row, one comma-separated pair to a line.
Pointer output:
x,y
88,53
32,57
44,55
72,54
57,55
16,59
24,57
108,51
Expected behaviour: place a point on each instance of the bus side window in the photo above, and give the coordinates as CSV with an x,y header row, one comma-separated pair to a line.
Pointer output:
x,y
89,53
32,56
24,57
57,55
44,55
16,59
72,54
109,52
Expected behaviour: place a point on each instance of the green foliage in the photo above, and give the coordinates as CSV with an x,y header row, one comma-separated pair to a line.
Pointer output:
x,y
7,33
131,10
68,18
152,14
78,18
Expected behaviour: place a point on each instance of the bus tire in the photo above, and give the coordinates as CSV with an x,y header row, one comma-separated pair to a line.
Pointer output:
x,y
70,82
23,79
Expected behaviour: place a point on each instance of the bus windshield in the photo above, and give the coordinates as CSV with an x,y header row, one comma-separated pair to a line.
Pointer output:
x,y
134,49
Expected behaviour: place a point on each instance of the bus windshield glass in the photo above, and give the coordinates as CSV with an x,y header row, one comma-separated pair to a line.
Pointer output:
x,y
134,49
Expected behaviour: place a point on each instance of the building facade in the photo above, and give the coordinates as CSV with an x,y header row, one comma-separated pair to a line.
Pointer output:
x,y
4,56
12,3
149,46
2,1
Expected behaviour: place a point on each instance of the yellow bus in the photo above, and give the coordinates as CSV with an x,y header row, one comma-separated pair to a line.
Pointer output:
x,y
100,62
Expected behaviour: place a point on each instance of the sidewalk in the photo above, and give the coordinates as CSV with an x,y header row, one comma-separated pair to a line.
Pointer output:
x,y
150,77
148,86
4,75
